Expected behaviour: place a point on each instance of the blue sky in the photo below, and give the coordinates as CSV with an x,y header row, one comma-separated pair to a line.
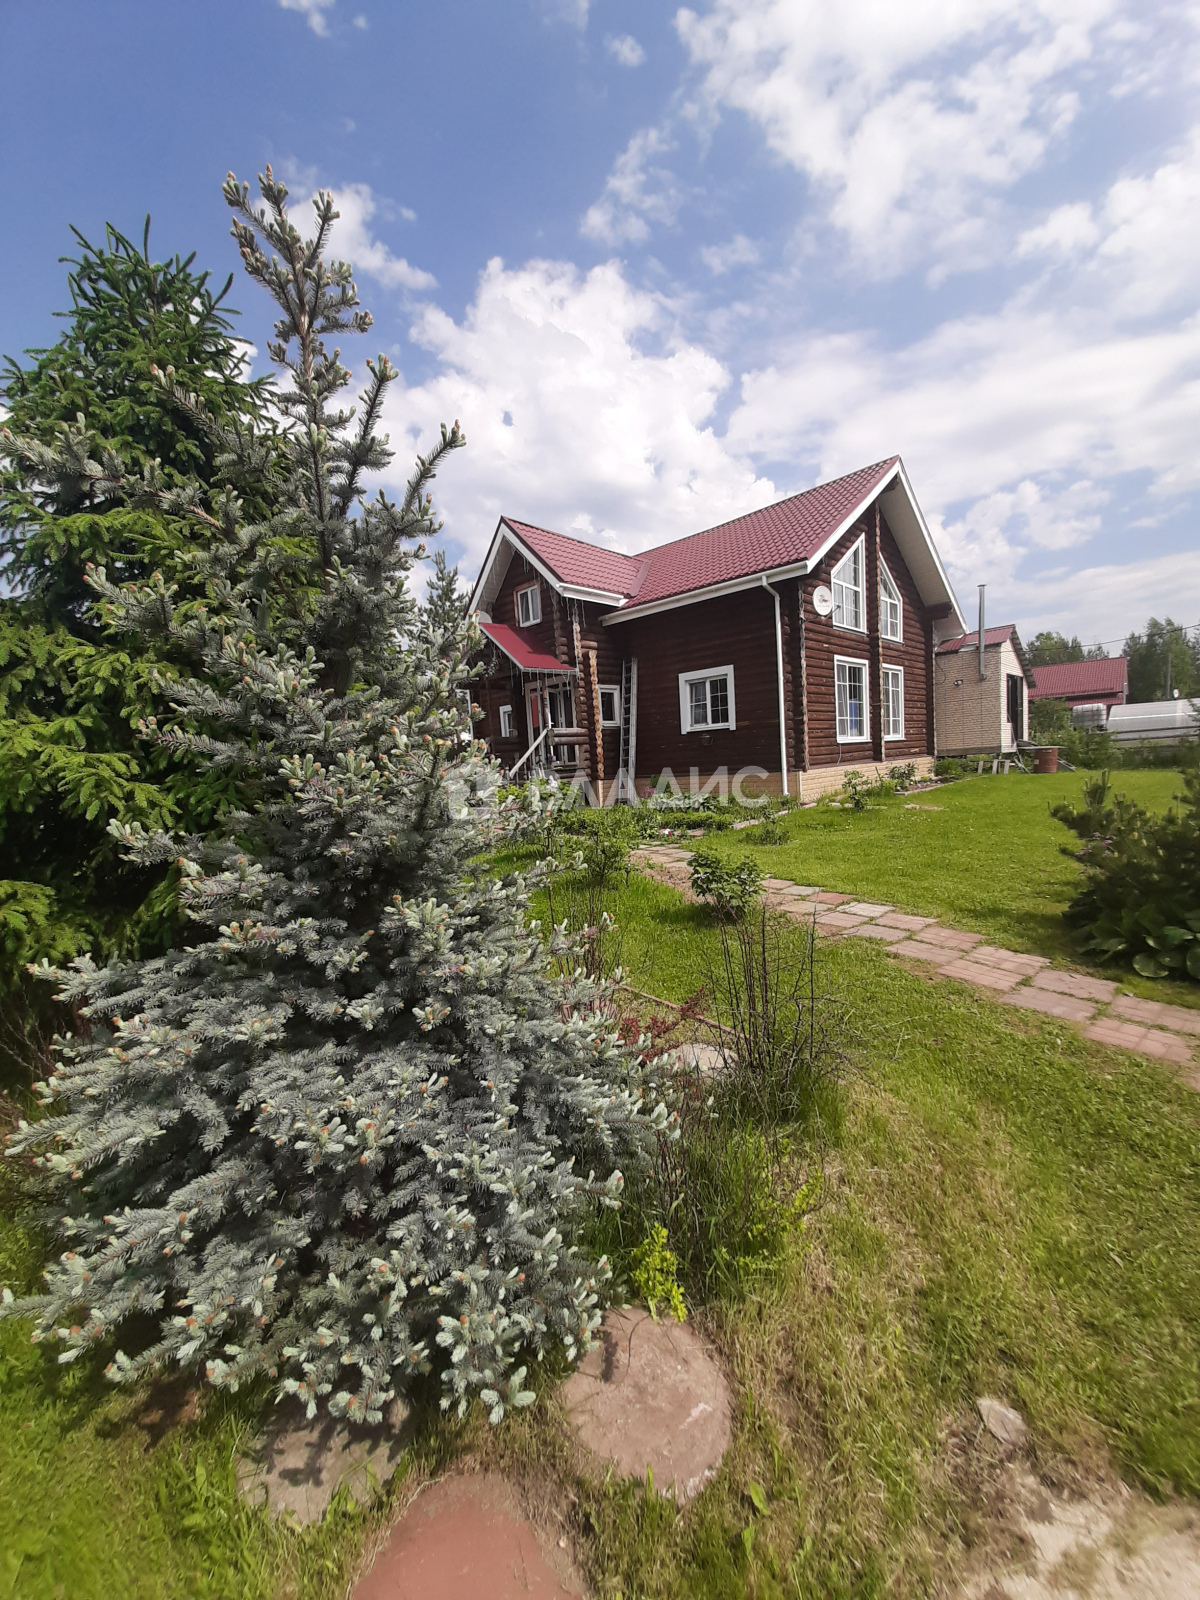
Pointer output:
x,y
667,265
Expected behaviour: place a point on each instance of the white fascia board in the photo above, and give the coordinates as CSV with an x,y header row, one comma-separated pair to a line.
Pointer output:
x,y
848,522
716,591
569,591
898,478
485,570
602,597
931,548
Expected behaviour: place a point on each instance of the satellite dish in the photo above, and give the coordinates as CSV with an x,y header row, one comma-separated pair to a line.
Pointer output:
x,y
822,600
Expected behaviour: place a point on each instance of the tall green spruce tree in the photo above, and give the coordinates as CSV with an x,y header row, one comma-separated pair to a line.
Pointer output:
x,y
83,415
347,1132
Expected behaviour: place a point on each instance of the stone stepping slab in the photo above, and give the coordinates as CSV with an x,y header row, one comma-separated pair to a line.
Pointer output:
x,y
297,1466
467,1538
651,1395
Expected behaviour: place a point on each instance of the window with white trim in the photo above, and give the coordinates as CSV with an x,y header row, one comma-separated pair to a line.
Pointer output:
x,y
893,702
508,723
529,606
891,612
610,705
706,700
850,693
847,585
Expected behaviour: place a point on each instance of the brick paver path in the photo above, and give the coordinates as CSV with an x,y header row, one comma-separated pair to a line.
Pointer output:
x,y
1146,1027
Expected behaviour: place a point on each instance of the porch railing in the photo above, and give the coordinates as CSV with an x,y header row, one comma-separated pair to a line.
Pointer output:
x,y
533,748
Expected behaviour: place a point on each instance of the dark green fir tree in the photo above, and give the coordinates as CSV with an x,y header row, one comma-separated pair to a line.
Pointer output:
x,y
82,416
347,1131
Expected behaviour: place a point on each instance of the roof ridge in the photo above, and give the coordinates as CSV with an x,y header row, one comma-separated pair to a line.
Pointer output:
x,y
773,505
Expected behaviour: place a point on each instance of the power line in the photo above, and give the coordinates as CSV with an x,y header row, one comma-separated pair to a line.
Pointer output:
x,y
1176,627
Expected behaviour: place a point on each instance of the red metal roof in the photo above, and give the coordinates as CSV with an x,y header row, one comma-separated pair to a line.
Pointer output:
x,y
582,565
790,531
970,641
1101,681
520,650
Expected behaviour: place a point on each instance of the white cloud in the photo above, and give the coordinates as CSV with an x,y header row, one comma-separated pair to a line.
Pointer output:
x,y
637,192
361,22
572,12
313,12
908,119
353,240
1108,601
1138,249
625,49
736,252
584,407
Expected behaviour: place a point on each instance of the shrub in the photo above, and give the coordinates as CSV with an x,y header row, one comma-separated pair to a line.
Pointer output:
x,y
731,886
1141,896
769,832
903,775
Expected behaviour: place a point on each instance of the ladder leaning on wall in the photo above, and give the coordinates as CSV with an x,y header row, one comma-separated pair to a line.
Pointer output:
x,y
627,765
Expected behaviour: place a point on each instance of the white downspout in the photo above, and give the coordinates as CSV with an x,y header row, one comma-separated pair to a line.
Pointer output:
x,y
783,763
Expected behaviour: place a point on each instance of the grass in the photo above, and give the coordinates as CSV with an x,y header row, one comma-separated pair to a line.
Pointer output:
x,y
988,859
1009,1210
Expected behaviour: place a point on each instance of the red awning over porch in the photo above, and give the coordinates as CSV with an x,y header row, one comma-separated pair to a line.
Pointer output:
x,y
518,650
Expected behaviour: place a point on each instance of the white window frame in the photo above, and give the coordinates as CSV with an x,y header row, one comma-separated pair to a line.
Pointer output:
x,y
535,605
853,738
686,679
613,689
508,723
859,549
886,581
885,710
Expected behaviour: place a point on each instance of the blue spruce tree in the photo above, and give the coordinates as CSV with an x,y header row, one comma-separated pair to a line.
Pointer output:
x,y
348,1132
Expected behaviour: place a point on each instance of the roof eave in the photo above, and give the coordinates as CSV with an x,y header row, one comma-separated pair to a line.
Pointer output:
x,y
714,591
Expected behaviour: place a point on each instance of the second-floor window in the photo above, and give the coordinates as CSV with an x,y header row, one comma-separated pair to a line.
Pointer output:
x,y
847,586
890,611
529,606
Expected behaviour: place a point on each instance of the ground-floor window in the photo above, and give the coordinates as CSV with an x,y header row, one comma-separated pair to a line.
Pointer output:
x,y
706,700
508,725
850,690
610,705
893,702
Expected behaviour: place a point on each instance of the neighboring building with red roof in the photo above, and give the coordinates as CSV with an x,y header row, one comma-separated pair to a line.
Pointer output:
x,y
981,699
1083,683
794,642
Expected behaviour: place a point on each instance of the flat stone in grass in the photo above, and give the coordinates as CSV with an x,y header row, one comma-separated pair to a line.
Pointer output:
x,y
467,1539
985,977
836,922
1076,984
1054,1005
1154,1012
866,908
1024,966
951,938
828,898
901,919
1142,1041
651,1395
298,1466
920,950
705,1058
872,930
1002,1422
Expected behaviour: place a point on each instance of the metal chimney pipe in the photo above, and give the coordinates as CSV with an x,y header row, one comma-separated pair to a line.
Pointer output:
x,y
982,668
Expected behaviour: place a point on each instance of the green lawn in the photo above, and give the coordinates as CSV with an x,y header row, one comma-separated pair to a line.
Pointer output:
x,y
1012,1211
1008,1210
988,859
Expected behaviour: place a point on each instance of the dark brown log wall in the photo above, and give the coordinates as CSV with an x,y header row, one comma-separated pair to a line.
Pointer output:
x,y
737,631
823,641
